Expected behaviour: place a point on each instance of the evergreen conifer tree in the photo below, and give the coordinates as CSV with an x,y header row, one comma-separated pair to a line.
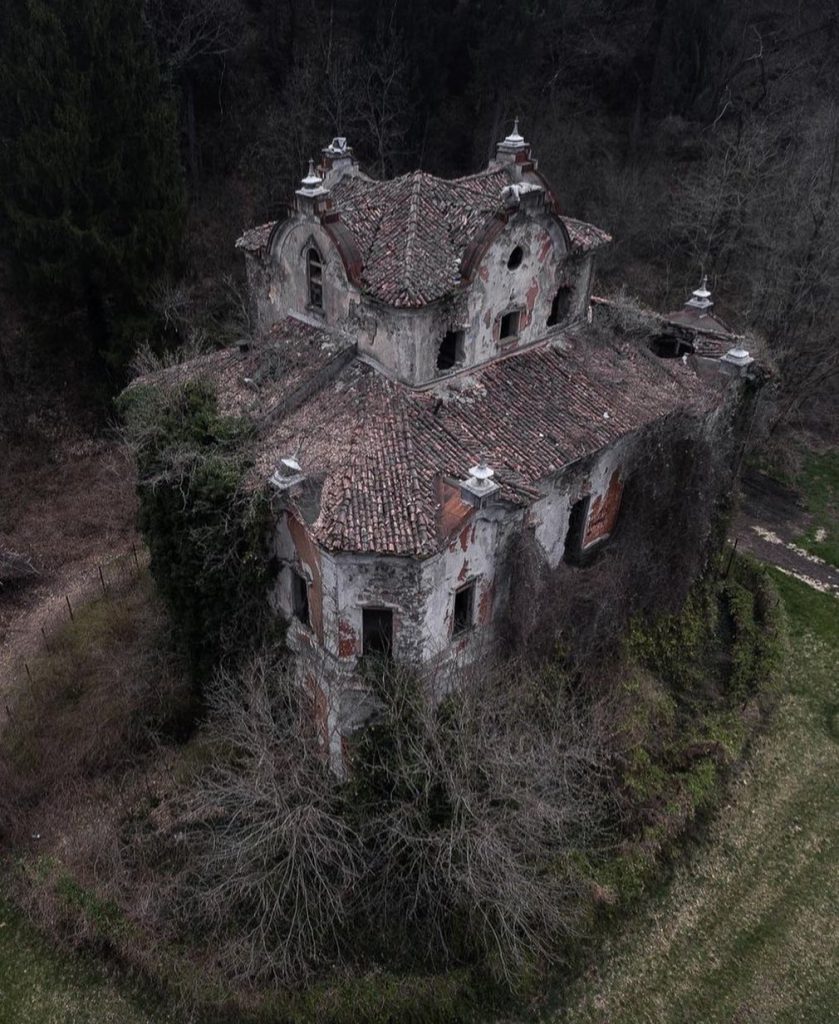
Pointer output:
x,y
91,205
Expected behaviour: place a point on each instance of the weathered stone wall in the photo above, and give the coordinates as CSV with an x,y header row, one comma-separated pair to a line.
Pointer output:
x,y
279,285
407,341
591,476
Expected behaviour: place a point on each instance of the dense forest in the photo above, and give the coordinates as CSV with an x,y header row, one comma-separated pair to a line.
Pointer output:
x,y
139,138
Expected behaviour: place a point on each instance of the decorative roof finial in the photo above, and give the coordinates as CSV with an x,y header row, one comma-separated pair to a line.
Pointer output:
x,y
701,297
312,182
514,141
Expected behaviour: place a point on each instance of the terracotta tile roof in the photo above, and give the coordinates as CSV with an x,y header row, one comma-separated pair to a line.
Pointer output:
x,y
712,336
413,230
290,359
380,449
585,237
255,239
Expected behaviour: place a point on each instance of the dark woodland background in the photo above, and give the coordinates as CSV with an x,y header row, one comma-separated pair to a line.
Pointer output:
x,y
138,137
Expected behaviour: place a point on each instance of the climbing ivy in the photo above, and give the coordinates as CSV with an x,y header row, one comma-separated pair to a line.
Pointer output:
x,y
206,530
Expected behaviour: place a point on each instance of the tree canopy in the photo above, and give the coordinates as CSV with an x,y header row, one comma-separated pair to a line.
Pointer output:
x,y
92,196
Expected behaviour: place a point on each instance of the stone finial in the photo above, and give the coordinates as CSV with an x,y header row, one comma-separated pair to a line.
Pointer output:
x,y
514,142
312,184
701,297
479,484
482,474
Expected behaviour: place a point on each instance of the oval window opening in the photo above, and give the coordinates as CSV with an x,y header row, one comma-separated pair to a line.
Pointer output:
x,y
515,258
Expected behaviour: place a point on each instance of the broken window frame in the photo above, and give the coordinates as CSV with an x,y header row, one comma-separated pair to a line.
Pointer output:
x,y
457,340
385,650
512,319
463,620
300,606
314,278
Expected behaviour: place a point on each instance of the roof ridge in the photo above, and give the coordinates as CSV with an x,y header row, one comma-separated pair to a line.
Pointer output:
x,y
411,235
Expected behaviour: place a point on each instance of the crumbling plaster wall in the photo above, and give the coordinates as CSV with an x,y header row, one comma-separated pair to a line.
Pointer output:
x,y
593,475
497,289
407,341
475,553
279,282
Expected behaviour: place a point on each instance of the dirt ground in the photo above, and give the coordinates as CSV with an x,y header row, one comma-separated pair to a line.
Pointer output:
x,y
69,506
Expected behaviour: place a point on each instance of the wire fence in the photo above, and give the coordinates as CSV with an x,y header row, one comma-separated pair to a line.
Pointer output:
x,y
108,580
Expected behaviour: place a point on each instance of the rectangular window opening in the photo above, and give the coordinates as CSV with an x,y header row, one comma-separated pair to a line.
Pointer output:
x,y
450,353
464,606
510,324
300,596
576,530
377,631
560,307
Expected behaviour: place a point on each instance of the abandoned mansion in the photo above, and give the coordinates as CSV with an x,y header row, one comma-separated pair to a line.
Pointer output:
x,y
429,377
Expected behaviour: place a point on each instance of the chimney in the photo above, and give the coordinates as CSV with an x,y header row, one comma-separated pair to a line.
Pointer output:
x,y
287,474
479,485
337,160
312,198
514,152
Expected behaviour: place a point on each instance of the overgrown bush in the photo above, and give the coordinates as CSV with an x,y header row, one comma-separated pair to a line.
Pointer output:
x,y
206,531
455,839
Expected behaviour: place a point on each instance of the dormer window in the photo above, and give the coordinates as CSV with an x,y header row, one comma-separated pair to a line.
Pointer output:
x,y
314,270
509,327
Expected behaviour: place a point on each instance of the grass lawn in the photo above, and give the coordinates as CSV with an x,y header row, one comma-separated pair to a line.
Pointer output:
x,y
747,929
40,985
818,482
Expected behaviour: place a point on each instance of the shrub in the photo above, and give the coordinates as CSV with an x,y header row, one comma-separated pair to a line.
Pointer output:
x,y
207,532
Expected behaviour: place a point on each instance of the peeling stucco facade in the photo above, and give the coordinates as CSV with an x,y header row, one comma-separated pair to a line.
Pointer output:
x,y
520,279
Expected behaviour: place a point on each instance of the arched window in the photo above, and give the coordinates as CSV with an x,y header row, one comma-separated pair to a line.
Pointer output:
x,y
314,271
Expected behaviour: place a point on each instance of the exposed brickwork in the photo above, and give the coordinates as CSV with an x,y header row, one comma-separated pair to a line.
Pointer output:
x,y
603,514
309,555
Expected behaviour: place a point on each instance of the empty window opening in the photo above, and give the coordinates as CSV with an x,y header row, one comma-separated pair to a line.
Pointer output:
x,y
314,266
451,350
377,631
515,258
464,605
560,307
667,347
576,529
510,324
300,596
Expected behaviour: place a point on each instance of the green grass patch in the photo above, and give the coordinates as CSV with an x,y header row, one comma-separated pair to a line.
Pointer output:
x,y
818,483
745,931
42,985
